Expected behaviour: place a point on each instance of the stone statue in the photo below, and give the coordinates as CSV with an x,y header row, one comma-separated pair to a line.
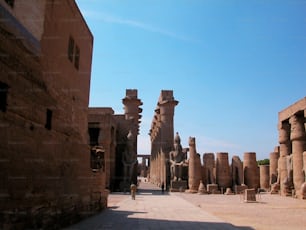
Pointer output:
x,y
177,159
129,159
288,182
97,158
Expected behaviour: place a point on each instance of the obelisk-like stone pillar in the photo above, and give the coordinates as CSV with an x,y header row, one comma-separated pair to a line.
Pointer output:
x,y
264,177
223,175
193,182
285,150
250,169
297,137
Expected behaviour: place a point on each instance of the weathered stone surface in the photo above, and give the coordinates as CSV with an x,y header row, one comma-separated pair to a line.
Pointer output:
x,y
162,138
240,188
292,139
249,195
46,176
274,157
223,175
193,179
237,171
209,167
264,177
202,189
213,188
178,186
251,171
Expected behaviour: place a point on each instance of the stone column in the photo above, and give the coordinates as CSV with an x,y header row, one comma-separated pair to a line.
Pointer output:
x,y
143,171
303,188
237,171
209,168
166,105
250,169
297,137
223,175
274,156
285,150
193,182
132,112
198,168
264,177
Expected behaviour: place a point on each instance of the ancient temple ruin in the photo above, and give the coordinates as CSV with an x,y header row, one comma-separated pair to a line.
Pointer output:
x,y
162,138
117,135
47,177
288,162
169,163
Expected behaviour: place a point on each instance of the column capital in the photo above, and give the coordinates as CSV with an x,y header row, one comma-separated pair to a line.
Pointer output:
x,y
297,127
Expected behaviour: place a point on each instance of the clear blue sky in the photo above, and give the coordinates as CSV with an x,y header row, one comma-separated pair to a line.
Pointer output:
x,y
233,65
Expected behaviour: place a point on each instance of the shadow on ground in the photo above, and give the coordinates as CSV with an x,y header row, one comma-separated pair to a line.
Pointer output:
x,y
114,219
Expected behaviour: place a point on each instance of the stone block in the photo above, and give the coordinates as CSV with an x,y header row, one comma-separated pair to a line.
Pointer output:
x,y
212,188
249,195
178,186
240,188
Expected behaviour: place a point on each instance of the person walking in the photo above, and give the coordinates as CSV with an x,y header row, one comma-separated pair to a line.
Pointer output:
x,y
133,191
163,187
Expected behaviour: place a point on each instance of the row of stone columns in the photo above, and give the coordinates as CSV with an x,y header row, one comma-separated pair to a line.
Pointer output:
x,y
221,173
287,162
162,136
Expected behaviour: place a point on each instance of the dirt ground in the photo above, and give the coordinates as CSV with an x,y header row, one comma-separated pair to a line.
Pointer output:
x,y
268,212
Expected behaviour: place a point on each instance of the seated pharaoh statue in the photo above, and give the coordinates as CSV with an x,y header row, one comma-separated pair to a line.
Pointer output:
x,y
177,159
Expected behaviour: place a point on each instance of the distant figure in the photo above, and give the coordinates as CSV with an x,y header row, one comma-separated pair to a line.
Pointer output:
x,y
163,187
133,191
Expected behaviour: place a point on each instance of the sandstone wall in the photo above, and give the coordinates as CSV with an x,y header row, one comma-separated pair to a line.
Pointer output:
x,y
46,179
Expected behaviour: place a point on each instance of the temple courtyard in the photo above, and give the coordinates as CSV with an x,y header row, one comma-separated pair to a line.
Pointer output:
x,y
153,209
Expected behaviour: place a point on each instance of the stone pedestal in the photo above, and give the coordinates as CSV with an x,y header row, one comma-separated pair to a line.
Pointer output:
x,y
202,189
178,186
229,192
240,188
212,188
249,195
